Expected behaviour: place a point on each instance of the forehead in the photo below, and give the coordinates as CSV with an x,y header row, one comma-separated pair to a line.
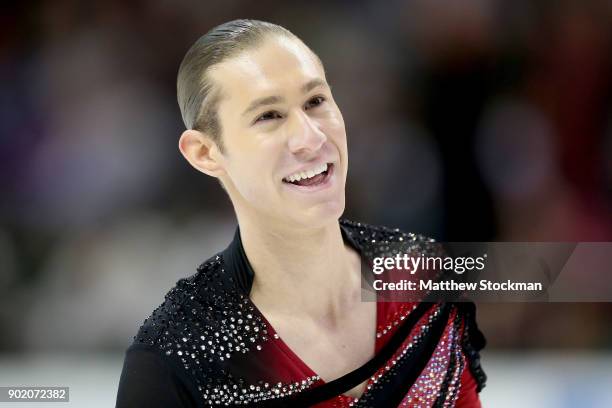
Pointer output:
x,y
278,65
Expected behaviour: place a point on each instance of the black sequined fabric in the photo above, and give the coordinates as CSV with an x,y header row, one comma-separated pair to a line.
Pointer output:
x,y
214,343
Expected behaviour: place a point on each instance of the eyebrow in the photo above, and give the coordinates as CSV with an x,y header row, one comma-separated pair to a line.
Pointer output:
x,y
271,100
310,85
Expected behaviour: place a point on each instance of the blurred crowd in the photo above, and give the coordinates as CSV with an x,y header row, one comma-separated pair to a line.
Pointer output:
x,y
468,120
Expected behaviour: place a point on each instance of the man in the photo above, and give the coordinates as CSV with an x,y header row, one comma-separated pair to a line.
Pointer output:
x,y
277,318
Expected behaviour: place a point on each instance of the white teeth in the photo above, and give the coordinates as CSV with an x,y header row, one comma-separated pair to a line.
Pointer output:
x,y
307,174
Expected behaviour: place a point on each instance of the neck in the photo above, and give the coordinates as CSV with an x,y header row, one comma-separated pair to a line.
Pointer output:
x,y
300,270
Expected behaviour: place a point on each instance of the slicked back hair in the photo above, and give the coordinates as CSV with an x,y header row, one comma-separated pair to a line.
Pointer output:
x,y
197,96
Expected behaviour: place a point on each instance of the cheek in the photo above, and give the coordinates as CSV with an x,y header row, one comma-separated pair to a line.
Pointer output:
x,y
250,186
252,171
247,172
334,124
334,128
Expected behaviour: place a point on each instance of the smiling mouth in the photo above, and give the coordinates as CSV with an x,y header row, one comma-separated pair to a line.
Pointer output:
x,y
312,177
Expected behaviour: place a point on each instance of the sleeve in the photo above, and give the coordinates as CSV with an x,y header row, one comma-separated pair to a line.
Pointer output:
x,y
149,380
473,378
468,395
472,343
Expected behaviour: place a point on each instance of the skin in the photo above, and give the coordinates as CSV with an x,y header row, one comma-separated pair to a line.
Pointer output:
x,y
307,281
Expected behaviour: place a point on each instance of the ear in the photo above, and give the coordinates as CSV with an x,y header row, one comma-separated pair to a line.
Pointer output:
x,y
201,152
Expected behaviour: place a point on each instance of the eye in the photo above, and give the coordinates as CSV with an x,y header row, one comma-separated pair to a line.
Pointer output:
x,y
314,102
268,116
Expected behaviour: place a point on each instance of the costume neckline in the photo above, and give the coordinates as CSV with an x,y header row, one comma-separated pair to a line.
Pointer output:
x,y
239,267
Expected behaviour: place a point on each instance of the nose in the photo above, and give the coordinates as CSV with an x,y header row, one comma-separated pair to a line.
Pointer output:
x,y
304,134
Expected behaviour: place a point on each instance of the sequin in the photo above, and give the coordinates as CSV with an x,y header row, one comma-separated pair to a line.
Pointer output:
x,y
208,326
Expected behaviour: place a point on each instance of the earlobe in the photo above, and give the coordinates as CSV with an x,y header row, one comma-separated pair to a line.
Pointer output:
x,y
201,152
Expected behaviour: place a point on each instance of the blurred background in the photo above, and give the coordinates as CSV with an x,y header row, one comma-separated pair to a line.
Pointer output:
x,y
471,120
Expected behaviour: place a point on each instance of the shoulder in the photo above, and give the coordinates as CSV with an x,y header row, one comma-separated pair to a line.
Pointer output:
x,y
198,314
204,325
380,240
186,299
158,370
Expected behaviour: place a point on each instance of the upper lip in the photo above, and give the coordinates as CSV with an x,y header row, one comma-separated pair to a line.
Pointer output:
x,y
308,167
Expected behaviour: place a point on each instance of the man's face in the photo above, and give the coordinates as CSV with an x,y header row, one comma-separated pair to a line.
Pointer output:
x,y
285,154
